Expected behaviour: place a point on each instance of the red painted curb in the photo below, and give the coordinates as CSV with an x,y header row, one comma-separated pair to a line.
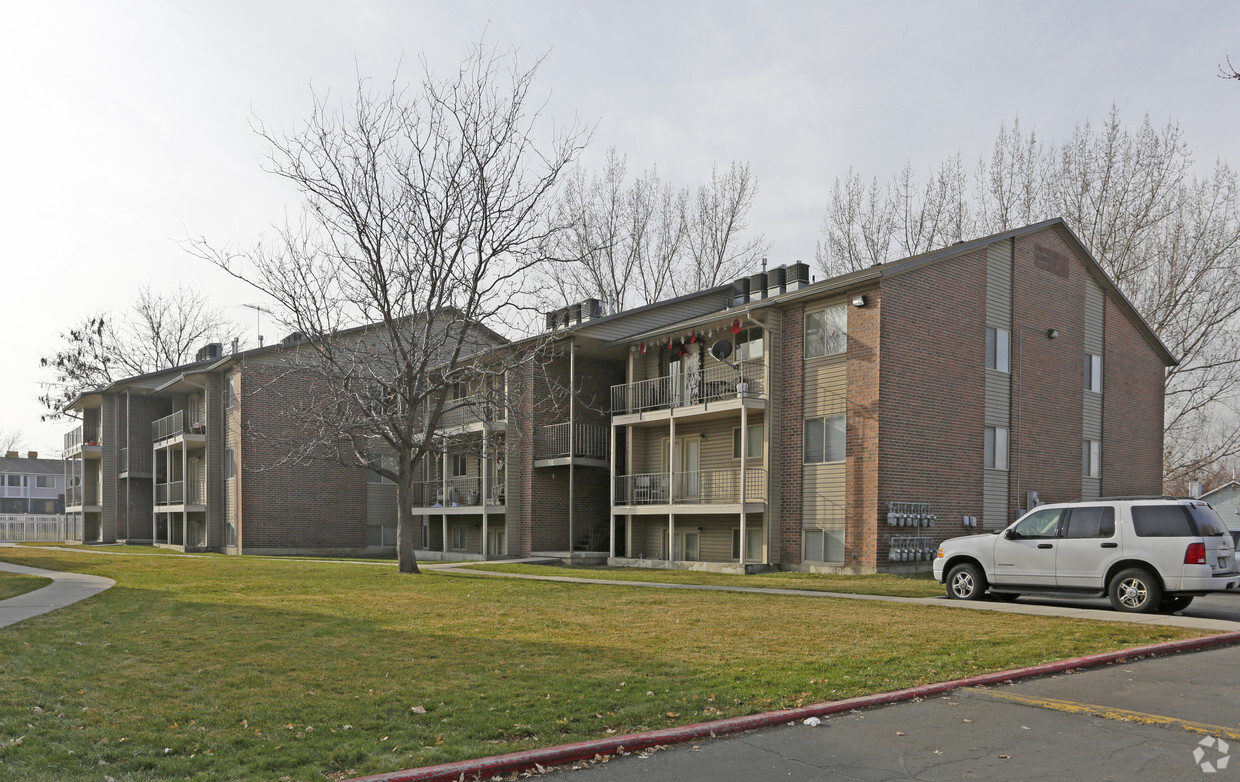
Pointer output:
x,y
484,768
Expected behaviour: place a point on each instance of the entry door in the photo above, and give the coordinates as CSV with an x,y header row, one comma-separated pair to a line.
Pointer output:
x,y
497,542
195,483
686,545
687,460
1028,557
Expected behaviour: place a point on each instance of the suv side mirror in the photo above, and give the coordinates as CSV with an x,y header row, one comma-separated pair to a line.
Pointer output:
x,y
1009,533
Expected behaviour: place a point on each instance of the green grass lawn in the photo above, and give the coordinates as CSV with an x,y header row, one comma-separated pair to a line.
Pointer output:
x,y
878,584
14,584
228,668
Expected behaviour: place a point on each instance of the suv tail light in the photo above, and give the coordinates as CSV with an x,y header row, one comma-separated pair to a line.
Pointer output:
x,y
1195,554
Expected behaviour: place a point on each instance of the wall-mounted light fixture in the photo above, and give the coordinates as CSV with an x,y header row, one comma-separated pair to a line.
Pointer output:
x,y
859,300
1052,333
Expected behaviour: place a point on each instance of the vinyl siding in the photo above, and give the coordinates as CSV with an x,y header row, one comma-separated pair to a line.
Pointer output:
x,y
826,386
1095,307
823,495
1091,418
380,503
998,385
999,285
998,398
994,500
1091,488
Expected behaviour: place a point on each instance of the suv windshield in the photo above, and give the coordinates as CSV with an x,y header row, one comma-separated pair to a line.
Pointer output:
x,y
1208,523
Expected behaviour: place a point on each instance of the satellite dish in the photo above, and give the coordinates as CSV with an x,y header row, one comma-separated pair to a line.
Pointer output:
x,y
721,350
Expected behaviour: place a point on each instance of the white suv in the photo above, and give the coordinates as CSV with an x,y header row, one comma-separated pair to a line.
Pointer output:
x,y
1145,553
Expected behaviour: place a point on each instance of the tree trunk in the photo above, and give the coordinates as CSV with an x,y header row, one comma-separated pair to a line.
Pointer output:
x,y
406,561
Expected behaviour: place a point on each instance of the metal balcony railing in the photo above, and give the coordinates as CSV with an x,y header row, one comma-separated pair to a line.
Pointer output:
x,y
76,496
78,437
170,493
461,492
589,441
472,410
689,388
694,487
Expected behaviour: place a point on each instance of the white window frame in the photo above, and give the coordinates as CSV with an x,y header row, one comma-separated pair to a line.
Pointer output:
x,y
1093,372
995,447
39,479
1091,458
821,337
822,547
460,461
827,453
461,531
229,392
230,463
753,444
752,531
998,357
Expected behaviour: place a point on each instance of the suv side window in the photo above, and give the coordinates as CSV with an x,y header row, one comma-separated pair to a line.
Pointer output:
x,y
1161,521
1095,522
1039,524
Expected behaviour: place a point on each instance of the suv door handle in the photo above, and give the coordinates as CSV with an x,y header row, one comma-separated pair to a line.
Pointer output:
x,y
1110,545
1045,545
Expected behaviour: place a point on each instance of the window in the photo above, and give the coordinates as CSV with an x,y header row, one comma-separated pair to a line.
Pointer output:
x,y
824,439
1097,522
381,535
459,390
459,537
999,350
1039,524
753,446
753,543
1160,521
826,331
230,466
16,480
460,465
45,481
1093,372
823,545
1091,458
996,448
387,461
749,344
228,392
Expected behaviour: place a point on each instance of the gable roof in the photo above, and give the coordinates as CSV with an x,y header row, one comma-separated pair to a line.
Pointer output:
x,y
1233,484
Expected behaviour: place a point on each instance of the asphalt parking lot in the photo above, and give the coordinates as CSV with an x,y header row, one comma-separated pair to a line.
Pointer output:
x,y
1144,719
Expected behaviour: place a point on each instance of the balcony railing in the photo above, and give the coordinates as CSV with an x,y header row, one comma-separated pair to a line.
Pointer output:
x,y
76,496
461,492
170,493
122,460
689,388
472,410
589,441
174,425
77,438
695,487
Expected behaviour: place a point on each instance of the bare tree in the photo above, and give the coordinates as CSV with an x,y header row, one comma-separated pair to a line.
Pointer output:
x,y
1228,72
719,247
11,440
1169,237
426,210
160,331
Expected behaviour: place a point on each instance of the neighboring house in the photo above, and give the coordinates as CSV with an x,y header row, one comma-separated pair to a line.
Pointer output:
x,y
32,497
849,424
1226,502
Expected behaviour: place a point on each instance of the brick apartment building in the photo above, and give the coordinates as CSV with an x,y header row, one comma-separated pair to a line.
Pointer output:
x,y
768,423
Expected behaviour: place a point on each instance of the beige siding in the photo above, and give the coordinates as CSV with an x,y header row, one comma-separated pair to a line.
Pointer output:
x,y
1091,488
823,494
716,443
1091,418
1095,304
999,285
775,356
998,398
380,503
994,500
826,386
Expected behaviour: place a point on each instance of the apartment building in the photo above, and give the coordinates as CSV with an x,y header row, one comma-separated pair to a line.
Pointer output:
x,y
847,424
32,497
852,424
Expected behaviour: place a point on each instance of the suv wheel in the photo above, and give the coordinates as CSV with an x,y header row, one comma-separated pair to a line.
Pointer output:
x,y
1135,591
966,582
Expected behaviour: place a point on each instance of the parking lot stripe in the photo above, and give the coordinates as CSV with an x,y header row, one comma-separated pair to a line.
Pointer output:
x,y
1120,715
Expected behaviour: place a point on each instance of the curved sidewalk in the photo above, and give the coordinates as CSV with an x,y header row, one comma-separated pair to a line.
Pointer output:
x,y
65,589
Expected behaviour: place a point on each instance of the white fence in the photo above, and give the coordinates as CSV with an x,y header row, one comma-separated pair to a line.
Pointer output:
x,y
17,527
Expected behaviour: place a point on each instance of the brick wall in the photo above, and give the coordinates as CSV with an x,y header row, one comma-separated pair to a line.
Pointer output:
x,y
862,437
790,376
1132,409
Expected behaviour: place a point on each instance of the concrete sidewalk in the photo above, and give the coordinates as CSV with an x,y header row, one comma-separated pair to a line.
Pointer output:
x,y
67,588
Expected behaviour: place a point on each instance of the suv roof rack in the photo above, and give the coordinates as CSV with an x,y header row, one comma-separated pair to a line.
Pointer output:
x,y
1131,497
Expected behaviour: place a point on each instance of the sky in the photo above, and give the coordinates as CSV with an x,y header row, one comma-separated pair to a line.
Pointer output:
x,y
129,126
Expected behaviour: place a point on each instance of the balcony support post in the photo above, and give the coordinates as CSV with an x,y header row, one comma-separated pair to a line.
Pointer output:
x,y
184,494
611,509
572,450
671,485
443,501
486,468
744,453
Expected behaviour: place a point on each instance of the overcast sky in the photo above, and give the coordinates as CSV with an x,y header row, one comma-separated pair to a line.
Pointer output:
x,y
128,125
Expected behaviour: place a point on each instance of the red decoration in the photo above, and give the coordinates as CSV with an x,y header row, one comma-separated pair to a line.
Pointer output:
x,y
643,348
669,343
736,326
693,336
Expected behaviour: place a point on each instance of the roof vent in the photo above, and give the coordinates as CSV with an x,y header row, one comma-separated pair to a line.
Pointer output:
x,y
210,351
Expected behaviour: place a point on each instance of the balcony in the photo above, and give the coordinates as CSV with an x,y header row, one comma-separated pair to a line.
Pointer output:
x,y
717,388
474,413
83,443
464,495
706,491
78,497
181,493
172,429
588,445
